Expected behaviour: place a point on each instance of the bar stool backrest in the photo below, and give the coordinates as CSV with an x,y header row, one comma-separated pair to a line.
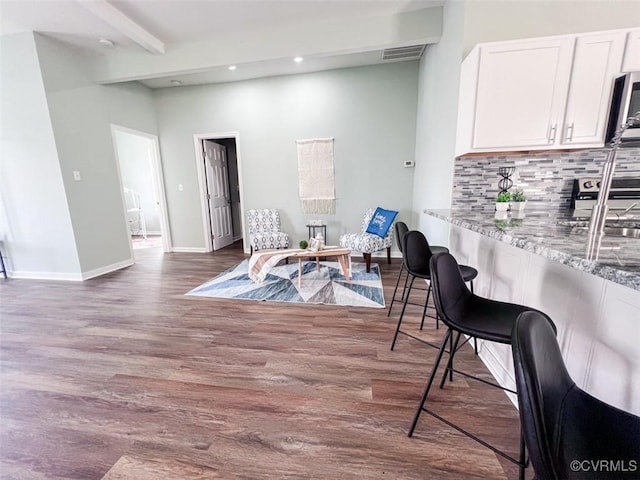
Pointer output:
x,y
401,230
416,253
450,293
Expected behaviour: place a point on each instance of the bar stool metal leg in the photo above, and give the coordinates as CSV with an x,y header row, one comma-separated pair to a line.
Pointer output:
x,y
429,383
393,298
404,307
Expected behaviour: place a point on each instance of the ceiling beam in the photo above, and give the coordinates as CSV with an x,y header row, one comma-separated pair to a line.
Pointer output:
x,y
341,36
118,20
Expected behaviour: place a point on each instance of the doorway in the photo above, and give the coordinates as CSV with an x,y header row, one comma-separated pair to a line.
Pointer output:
x,y
142,187
219,174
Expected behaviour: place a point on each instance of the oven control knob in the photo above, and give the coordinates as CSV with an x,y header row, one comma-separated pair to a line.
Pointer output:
x,y
588,184
598,184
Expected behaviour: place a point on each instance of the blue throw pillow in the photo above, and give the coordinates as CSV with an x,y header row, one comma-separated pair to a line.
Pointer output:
x,y
381,222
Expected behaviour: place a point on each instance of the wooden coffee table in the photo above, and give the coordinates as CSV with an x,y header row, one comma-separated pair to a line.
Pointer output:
x,y
341,254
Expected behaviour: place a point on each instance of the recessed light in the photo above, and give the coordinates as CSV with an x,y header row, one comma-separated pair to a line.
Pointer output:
x,y
298,59
176,83
232,67
105,42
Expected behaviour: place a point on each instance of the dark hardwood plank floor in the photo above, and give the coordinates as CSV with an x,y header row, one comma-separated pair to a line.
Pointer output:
x,y
124,377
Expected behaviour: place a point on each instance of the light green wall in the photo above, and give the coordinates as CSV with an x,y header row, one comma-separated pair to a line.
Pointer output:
x,y
37,234
436,125
82,114
370,111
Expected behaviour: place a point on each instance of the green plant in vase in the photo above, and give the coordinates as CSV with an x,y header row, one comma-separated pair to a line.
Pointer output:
x,y
518,200
502,202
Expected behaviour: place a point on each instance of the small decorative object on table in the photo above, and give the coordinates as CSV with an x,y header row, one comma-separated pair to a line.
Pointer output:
x,y
317,243
304,244
518,200
502,201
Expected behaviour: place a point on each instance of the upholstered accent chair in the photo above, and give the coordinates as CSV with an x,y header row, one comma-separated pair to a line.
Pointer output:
x,y
367,243
265,230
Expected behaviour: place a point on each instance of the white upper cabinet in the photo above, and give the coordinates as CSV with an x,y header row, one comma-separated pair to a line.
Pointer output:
x,y
596,63
538,94
631,61
519,96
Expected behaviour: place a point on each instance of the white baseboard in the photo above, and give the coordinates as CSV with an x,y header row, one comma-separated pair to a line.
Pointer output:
x,y
66,276
189,250
107,269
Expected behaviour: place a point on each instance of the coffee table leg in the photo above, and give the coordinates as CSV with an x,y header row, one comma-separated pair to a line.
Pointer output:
x,y
344,266
318,263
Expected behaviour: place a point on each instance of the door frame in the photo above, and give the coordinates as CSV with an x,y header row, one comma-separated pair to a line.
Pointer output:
x,y
157,179
202,185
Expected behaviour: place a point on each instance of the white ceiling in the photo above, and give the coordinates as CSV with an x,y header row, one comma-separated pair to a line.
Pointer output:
x,y
192,29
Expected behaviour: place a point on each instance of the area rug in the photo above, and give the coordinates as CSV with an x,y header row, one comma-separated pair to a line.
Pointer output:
x,y
325,286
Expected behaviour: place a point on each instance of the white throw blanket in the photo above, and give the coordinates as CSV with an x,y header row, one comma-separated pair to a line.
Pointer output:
x,y
316,175
262,261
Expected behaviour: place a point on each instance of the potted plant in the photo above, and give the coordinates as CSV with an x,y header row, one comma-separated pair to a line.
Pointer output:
x,y
518,200
502,202
304,244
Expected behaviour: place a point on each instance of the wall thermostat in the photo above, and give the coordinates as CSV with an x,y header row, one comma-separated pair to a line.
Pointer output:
x,y
409,164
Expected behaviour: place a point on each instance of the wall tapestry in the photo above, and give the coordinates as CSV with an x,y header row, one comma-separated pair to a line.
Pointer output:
x,y
316,175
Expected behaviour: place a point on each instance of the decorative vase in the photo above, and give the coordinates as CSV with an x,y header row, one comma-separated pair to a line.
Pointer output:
x,y
502,206
518,206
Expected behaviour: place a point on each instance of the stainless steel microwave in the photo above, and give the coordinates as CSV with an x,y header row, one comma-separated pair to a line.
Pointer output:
x,y
624,104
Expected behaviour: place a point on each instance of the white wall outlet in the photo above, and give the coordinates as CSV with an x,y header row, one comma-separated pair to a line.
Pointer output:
x,y
409,164
180,187
76,175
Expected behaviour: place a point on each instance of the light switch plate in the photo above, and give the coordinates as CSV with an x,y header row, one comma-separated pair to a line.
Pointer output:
x,y
76,175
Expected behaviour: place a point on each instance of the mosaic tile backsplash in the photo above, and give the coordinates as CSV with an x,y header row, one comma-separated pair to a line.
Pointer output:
x,y
546,178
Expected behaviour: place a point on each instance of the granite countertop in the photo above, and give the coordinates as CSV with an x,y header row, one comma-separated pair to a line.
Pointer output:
x,y
557,236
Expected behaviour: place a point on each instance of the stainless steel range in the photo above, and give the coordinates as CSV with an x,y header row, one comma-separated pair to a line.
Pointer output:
x,y
624,193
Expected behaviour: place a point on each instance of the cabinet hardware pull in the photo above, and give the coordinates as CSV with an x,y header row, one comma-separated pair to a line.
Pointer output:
x,y
552,133
569,132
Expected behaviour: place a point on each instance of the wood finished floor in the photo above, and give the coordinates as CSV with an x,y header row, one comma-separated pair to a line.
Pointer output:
x,y
124,377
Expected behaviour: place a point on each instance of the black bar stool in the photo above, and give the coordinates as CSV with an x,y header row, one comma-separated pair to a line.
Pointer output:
x,y
561,422
417,254
401,230
465,313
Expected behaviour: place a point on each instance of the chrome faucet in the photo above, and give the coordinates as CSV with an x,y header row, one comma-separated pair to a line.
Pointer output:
x,y
600,209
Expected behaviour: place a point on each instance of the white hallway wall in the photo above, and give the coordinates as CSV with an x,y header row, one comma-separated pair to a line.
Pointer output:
x,y
135,168
36,231
81,115
370,111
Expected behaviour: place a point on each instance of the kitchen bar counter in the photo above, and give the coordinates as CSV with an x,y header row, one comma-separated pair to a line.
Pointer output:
x,y
540,261
556,236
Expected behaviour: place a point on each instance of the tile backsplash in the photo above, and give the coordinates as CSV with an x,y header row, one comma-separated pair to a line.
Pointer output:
x,y
546,178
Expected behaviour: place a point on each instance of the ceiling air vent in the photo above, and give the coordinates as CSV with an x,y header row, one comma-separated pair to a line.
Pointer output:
x,y
403,53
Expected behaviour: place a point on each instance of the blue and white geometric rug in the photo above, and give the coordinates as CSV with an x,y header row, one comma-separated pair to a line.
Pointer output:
x,y
327,286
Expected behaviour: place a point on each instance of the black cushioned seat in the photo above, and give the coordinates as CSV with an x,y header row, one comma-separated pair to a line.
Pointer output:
x,y
465,313
401,230
560,422
417,254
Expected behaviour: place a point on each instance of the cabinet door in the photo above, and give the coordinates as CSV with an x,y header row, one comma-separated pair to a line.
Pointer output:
x,y
521,93
631,61
596,63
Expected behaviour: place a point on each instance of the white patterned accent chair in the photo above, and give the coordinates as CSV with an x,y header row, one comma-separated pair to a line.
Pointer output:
x,y
367,243
264,230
